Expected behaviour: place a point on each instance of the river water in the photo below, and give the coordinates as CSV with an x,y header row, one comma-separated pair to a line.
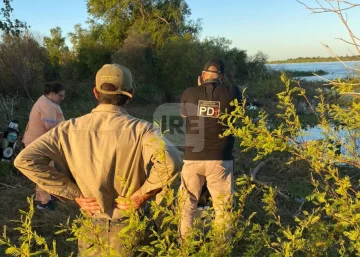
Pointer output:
x,y
335,69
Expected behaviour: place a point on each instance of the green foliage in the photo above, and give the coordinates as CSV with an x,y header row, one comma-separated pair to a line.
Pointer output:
x,y
157,34
333,196
90,59
326,224
255,68
165,72
137,48
264,88
22,63
179,63
29,242
160,19
9,26
58,53
89,51
55,44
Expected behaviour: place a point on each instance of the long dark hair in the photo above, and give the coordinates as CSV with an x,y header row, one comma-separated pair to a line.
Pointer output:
x,y
53,87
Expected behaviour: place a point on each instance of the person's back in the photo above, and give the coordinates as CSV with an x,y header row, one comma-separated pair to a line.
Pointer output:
x,y
109,162
202,106
208,158
106,152
45,114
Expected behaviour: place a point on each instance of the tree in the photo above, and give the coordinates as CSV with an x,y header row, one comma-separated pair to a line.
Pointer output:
x,y
21,64
55,45
161,19
14,27
179,64
138,55
58,53
90,51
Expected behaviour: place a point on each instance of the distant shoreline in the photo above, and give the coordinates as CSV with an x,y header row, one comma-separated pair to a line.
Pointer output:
x,y
317,59
267,63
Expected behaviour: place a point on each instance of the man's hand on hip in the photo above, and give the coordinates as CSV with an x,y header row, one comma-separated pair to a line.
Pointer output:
x,y
90,205
136,200
124,203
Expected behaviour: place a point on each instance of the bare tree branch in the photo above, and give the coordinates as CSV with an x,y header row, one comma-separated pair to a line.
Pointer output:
x,y
350,93
256,170
335,56
349,84
142,9
163,19
322,9
298,212
348,42
338,10
258,167
2,184
334,83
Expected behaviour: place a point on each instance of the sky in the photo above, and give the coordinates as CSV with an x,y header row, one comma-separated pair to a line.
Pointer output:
x,y
281,29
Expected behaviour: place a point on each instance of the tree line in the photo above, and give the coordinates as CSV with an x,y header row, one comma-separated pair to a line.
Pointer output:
x,y
156,39
317,59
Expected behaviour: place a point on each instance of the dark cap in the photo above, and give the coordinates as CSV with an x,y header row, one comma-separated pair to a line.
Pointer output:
x,y
217,64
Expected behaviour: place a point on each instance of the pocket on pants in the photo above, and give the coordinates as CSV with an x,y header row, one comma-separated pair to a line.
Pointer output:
x,y
227,167
217,170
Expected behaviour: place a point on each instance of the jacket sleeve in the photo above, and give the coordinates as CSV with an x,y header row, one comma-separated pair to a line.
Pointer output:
x,y
33,162
48,116
165,160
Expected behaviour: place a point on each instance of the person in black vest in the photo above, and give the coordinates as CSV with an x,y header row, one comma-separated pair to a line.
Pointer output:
x,y
208,158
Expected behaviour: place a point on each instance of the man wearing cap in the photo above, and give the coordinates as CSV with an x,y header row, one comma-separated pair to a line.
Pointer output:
x,y
207,158
102,157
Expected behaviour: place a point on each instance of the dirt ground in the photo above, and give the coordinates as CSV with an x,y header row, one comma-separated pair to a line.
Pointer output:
x,y
14,190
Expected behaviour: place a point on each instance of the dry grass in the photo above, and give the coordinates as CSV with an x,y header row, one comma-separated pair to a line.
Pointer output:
x,y
13,198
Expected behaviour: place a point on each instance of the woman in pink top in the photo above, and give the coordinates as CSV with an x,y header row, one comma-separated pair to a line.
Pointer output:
x,y
45,115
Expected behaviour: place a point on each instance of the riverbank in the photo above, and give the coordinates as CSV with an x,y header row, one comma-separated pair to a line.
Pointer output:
x,y
334,70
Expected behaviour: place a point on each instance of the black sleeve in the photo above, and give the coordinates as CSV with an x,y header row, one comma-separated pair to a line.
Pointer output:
x,y
237,94
182,107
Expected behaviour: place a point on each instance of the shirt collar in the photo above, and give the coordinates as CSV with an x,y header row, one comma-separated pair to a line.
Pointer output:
x,y
109,108
212,81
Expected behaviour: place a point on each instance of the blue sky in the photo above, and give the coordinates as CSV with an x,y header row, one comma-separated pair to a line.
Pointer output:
x,y
279,28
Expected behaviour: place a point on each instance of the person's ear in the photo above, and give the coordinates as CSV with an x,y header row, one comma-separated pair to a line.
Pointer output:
x,y
203,76
96,93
